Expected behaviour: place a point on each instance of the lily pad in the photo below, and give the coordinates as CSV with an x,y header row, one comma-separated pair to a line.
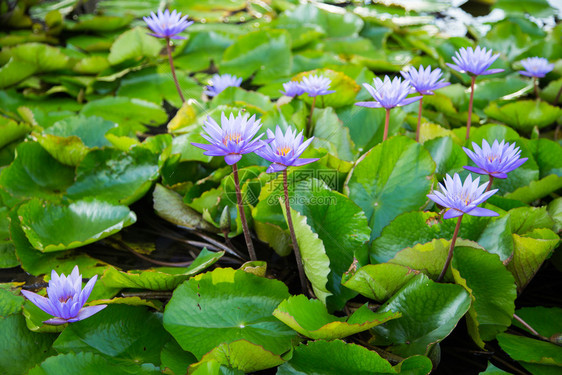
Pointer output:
x,y
311,319
133,44
225,306
524,115
53,227
345,87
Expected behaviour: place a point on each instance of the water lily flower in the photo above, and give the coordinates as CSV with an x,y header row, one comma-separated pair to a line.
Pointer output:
x,y
66,298
292,89
232,138
285,149
462,198
388,94
316,85
220,82
474,61
167,25
495,161
536,67
424,81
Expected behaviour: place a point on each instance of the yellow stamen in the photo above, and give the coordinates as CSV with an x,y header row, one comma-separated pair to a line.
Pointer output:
x,y
236,138
283,151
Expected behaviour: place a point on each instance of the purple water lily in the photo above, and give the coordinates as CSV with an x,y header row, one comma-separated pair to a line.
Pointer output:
x,y
536,67
292,89
285,149
388,94
495,161
462,198
66,298
220,82
232,138
167,25
424,81
474,61
316,85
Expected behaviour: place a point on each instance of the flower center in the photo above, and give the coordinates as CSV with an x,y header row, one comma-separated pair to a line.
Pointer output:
x,y
64,299
283,151
235,137
491,158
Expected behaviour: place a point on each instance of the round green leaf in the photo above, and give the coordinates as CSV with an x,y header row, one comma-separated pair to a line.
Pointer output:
x,y
225,306
524,115
345,87
334,358
545,320
379,281
10,299
311,319
34,173
87,363
528,350
134,44
52,227
447,155
115,176
492,289
392,178
429,310
131,334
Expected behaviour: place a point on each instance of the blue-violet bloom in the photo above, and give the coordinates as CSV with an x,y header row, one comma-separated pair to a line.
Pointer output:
x,y
167,25
66,298
388,94
285,149
474,61
462,198
220,82
316,85
292,89
495,161
232,138
536,67
425,81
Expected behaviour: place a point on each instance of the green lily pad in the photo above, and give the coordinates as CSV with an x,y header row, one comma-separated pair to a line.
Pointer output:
x,y
536,189
447,155
21,349
265,52
345,87
134,44
548,155
331,135
34,173
528,350
69,140
11,301
225,306
87,363
52,227
115,176
240,355
492,289
429,310
131,334
379,281
373,182
12,130
524,115
538,8
310,318
238,97
161,278
547,321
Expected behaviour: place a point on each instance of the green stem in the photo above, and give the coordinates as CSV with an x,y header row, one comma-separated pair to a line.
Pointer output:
x,y
419,120
469,119
536,87
490,182
451,248
245,228
169,49
310,128
296,248
386,121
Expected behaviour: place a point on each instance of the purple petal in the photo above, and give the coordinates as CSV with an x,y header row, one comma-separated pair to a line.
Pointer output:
x,y
498,175
369,104
451,213
232,158
56,321
276,167
475,169
86,312
491,71
303,161
480,211
39,301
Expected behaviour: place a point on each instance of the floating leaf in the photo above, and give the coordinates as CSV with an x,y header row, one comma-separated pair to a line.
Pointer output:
x,y
161,278
345,87
536,189
10,299
225,306
52,227
310,318
12,130
524,115
528,350
429,310
492,289
133,44
373,182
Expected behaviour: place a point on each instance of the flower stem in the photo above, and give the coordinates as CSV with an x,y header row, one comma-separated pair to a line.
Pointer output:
x,y
386,121
558,96
490,182
245,228
451,248
296,248
169,48
419,120
469,119
536,87
533,331
310,128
